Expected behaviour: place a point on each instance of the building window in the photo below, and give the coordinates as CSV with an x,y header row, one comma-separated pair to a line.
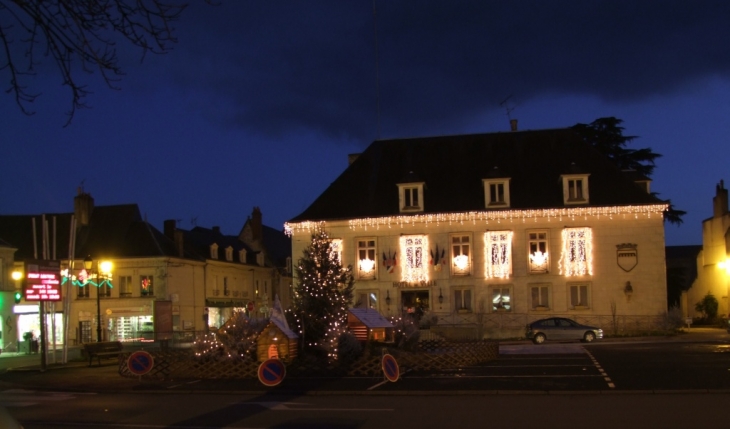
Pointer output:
x,y
146,285
463,300
460,255
501,298
498,254
414,249
496,193
242,256
575,189
367,299
288,264
410,197
83,291
229,254
336,250
366,258
226,291
579,296
105,289
576,258
540,296
214,251
537,252
125,286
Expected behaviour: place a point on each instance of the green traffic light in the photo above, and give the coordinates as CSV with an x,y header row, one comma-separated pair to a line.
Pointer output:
x,y
18,296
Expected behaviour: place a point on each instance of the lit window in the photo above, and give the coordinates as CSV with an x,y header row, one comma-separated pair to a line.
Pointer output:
x,y
540,296
537,252
147,285
579,296
460,255
414,249
576,258
336,250
229,253
575,189
367,299
410,197
366,258
501,298
496,192
242,256
498,254
463,300
214,251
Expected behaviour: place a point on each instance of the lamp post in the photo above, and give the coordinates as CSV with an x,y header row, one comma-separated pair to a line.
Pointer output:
x,y
88,265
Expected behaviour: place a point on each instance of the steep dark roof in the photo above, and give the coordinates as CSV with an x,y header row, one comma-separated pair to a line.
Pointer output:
x,y
200,239
453,168
114,231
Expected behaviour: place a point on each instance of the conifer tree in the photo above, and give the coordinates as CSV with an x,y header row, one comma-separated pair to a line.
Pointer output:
x,y
323,293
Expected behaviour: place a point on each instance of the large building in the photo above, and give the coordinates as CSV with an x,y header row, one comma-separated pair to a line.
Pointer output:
x,y
193,279
713,261
493,230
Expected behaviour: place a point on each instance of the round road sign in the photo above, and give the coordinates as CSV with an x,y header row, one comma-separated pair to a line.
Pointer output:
x,y
271,372
250,306
390,368
140,362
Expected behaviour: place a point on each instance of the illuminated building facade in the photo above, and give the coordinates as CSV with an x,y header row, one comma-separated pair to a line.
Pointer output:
x,y
527,224
193,278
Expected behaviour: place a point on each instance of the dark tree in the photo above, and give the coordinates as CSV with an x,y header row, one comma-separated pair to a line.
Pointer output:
x,y
323,294
606,135
78,35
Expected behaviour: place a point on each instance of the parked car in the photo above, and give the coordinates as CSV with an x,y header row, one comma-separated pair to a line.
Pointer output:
x,y
561,328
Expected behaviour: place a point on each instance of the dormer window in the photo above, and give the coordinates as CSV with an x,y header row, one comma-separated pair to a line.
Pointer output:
x,y
260,259
214,251
575,189
229,254
242,256
410,197
496,193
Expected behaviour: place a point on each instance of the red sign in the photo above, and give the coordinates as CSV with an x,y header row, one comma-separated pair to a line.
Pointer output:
x,y
140,362
250,306
271,372
390,368
42,281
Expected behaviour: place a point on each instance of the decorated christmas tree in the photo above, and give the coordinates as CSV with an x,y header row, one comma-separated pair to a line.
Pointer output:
x,y
323,294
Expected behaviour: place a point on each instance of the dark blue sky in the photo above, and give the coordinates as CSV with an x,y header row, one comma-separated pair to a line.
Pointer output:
x,y
260,103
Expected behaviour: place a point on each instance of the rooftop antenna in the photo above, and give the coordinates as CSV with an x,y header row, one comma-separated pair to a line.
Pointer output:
x,y
377,70
508,107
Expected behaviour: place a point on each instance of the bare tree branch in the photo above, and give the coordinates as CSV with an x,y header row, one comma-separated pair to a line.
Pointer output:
x,y
79,35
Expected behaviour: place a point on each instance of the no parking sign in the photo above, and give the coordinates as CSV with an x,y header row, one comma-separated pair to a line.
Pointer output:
x,y
390,368
140,362
271,372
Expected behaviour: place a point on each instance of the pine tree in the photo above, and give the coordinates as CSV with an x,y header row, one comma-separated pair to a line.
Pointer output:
x,y
606,135
323,294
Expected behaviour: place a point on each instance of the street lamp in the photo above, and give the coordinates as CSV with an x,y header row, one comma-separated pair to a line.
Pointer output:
x,y
101,267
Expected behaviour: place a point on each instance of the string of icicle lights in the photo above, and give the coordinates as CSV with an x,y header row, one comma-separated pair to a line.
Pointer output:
x,y
485,217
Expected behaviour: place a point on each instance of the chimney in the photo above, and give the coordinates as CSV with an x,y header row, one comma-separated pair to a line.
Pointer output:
x,y
169,228
719,203
83,207
178,237
216,230
257,229
513,124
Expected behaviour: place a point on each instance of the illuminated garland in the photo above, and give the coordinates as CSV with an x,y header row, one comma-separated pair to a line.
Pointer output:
x,y
84,279
576,258
498,258
486,216
414,249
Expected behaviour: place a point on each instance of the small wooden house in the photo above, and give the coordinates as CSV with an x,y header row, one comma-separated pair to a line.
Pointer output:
x,y
276,340
369,325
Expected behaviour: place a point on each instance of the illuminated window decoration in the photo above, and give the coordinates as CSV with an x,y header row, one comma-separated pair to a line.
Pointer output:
x,y
537,245
460,251
414,248
577,254
336,249
84,278
498,254
366,258
485,217
147,285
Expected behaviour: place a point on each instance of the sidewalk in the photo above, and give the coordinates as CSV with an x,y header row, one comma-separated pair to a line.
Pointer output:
x,y
77,376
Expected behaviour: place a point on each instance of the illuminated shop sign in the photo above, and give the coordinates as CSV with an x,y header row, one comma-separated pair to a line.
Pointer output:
x,y
42,280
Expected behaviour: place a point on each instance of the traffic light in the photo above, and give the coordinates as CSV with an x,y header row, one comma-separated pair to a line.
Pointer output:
x,y
17,297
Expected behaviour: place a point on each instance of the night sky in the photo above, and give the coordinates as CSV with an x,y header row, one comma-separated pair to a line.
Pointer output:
x,y
260,103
